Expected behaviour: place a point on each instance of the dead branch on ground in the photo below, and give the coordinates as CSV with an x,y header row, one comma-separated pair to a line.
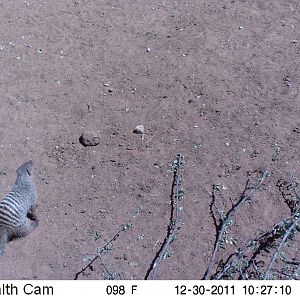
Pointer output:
x,y
176,194
227,220
107,247
251,260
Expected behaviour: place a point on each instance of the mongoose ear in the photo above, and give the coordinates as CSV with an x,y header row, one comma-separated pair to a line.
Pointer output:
x,y
25,168
29,165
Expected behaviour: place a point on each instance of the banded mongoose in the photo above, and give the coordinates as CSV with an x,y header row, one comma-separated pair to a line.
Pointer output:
x,y
17,209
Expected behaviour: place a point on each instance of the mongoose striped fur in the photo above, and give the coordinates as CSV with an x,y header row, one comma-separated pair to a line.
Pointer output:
x,y
17,209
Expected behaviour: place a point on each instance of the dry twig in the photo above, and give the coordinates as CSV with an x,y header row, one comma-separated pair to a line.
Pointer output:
x,y
226,221
105,248
243,261
174,222
285,237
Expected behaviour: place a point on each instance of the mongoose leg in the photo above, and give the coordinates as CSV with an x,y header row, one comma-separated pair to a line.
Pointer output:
x,y
32,215
3,240
27,227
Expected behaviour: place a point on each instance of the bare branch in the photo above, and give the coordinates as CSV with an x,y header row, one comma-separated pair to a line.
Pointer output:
x,y
173,227
97,255
285,237
226,221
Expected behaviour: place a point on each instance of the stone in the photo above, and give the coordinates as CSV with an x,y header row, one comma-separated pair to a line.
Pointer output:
x,y
89,139
139,129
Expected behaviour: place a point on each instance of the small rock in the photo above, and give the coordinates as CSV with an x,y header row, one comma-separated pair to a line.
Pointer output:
x,y
139,129
134,264
89,139
148,49
287,80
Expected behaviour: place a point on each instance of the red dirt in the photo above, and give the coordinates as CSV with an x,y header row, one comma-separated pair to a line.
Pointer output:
x,y
220,85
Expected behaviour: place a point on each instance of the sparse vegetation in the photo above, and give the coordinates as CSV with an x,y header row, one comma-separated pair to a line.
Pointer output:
x,y
106,248
270,254
176,195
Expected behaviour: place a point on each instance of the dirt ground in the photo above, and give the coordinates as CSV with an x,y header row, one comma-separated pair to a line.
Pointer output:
x,y
217,81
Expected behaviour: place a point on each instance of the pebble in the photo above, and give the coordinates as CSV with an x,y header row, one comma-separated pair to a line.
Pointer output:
x,y
139,129
89,139
287,80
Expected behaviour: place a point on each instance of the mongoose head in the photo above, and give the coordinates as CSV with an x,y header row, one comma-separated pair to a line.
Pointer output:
x,y
25,169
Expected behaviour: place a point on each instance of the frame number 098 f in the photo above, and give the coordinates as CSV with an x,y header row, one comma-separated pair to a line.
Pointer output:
x,y
119,289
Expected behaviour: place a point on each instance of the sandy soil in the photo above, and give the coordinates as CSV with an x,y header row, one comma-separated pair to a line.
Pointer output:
x,y
217,81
